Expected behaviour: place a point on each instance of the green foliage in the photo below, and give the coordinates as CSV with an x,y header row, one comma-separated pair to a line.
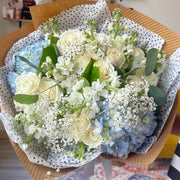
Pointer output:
x,y
79,152
50,51
151,61
53,29
30,64
87,72
116,26
94,74
28,139
25,98
53,39
133,66
133,38
157,94
92,26
86,82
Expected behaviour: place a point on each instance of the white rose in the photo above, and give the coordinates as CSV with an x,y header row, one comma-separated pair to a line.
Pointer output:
x,y
152,79
85,59
27,83
115,57
104,69
137,52
134,80
81,126
93,141
48,88
69,37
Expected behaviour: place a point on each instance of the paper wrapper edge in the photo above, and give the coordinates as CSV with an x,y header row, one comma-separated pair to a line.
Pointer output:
x,y
172,43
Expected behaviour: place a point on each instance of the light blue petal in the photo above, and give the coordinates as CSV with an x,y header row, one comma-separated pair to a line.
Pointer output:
x,y
33,54
11,78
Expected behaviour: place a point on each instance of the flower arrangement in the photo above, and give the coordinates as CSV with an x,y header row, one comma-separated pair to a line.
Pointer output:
x,y
76,91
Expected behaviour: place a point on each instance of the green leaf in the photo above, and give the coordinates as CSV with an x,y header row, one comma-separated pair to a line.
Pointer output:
x,y
111,88
88,70
29,63
54,39
151,61
157,94
94,74
50,51
123,83
136,62
86,83
118,70
133,66
28,139
25,98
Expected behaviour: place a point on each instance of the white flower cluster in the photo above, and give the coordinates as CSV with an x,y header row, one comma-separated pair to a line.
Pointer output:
x,y
129,105
86,73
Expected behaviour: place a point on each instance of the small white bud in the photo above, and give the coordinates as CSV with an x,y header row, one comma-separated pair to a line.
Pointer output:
x,y
25,146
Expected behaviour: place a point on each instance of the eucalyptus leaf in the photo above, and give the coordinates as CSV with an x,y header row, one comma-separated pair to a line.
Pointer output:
x,y
88,70
151,61
94,74
29,63
133,66
157,94
25,98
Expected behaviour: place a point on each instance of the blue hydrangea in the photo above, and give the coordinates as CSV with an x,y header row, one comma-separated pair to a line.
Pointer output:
x,y
33,54
11,78
126,140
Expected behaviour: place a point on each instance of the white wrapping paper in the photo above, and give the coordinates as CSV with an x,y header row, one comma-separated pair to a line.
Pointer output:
x,y
74,19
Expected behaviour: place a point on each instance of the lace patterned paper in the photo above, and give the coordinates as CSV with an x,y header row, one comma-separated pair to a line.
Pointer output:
x,y
74,19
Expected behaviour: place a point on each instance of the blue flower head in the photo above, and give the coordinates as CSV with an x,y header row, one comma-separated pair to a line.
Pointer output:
x,y
32,53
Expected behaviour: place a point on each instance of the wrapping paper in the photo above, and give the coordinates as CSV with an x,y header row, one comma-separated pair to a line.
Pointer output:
x,y
5,117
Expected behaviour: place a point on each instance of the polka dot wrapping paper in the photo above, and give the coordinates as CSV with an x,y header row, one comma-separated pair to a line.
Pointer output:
x,y
74,19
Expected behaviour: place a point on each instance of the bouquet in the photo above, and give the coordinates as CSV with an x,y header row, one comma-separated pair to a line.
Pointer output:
x,y
79,93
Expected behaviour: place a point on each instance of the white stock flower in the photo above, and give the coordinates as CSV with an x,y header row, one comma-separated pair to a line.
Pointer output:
x,y
115,57
68,37
151,79
27,83
93,141
48,88
57,75
76,98
102,38
64,65
118,43
110,27
98,86
78,85
88,93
